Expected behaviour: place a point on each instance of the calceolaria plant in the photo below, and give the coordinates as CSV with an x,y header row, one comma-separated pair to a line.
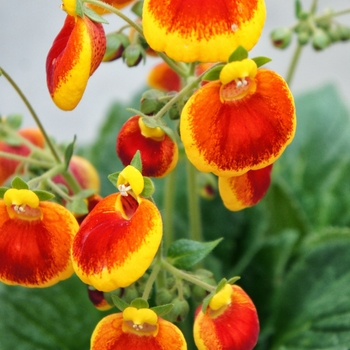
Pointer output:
x,y
197,197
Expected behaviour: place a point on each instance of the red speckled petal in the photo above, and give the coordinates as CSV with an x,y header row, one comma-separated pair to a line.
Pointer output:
x,y
202,30
231,138
36,253
158,157
110,251
239,192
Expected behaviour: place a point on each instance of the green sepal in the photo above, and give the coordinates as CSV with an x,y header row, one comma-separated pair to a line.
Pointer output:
x,y
148,188
186,253
2,191
119,303
113,178
206,301
137,8
261,60
79,8
139,303
136,161
95,17
68,153
169,131
14,121
44,195
11,140
221,285
238,55
78,206
298,9
19,184
156,123
213,74
233,280
162,309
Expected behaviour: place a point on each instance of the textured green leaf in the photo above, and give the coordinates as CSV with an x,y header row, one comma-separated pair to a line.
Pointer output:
x,y
60,317
19,184
239,54
185,253
314,304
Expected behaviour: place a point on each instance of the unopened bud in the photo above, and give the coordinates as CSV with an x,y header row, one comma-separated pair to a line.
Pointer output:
x,y
164,296
320,40
179,312
150,103
116,44
281,37
130,293
133,55
303,38
344,33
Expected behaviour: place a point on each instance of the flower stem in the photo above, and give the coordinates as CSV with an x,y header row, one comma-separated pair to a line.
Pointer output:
x,y
47,175
34,115
186,276
26,159
293,64
150,281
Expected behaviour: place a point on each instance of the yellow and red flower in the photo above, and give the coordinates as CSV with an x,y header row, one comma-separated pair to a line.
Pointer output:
x,y
242,122
75,54
239,192
159,153
202,30
117,241
229,322
35,240
136,329
9,166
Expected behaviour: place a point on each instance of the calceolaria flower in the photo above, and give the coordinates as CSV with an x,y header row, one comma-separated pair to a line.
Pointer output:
x,y
75,54
206,31
239,192
136,329
229,322
159,153
242,122
117,241
35,240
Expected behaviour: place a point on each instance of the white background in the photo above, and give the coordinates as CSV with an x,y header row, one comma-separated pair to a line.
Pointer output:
x,y
28,28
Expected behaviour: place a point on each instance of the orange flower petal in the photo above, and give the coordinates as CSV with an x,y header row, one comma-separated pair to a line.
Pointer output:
x,y
36,253
230,138
162,77
75,54
236,327
8,166
159,158
202,30
111,251
239,192
109,331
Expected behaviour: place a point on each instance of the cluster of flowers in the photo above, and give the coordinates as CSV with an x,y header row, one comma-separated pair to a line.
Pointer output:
x,y
236,121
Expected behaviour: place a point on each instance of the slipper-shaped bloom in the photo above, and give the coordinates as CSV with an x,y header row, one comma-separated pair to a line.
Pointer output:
x,y
202,30
117,241
159,153
239,192
136,329
242,122
229,322
75,54
35,240
8,167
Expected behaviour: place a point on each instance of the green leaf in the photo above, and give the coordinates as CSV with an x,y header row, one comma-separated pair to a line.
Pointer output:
x,y
221,285
119,303
298,9
78,206
239,54
162,309
233,280
185,253
65,321
314,304
44,195
206,301
139,303
69,152
213,74
261,60
14,121
113,178
149,187
93,15
19,184
136,161
2,191
79,8
137,8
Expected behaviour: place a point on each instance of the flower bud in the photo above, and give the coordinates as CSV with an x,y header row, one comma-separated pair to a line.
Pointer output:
x,y
150,103
303,37
133,55
281,37
344,33
164,296
130,293
116,44
179,312
320,40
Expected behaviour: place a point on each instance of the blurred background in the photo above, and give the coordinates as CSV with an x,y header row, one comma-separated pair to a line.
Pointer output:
x,y
28,28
